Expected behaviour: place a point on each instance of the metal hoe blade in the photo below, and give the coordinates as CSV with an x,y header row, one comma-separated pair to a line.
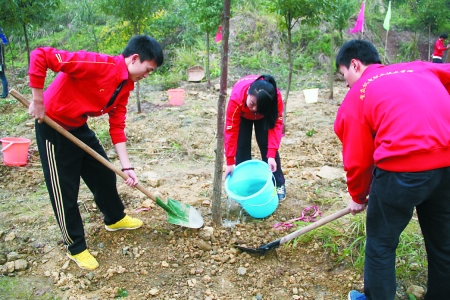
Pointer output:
x,y
275,244
262,249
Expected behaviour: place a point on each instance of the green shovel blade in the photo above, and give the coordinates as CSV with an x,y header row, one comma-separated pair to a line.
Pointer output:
x,y
182,214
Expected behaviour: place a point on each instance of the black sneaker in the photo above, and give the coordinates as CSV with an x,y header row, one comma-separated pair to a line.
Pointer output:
x,y
281,192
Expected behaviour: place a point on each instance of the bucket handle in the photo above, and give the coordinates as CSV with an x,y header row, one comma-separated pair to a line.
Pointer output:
x,y
10,143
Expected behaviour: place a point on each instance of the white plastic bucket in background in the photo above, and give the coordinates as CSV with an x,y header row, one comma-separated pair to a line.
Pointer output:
x,y
252,186
311,95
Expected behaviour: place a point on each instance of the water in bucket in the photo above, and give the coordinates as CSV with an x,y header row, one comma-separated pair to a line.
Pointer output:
x,y
252,186
247,187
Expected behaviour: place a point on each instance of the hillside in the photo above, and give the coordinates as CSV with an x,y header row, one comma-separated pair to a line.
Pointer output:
x,y
173,150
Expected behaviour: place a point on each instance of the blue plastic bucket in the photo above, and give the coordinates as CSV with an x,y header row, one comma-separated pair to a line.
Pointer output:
x,y
253,188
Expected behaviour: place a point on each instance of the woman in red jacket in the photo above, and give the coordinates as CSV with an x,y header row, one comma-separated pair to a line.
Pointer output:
x,y
255,101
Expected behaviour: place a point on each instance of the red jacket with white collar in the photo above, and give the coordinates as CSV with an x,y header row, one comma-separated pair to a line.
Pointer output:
x,y
396,117
83,87
439,48
237,108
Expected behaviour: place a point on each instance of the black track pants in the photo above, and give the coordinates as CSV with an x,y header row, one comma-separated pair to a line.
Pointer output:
x,y
244,148
64,163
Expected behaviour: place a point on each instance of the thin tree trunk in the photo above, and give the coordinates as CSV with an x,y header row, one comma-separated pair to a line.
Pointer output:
x,y
207,60
332,63
12,58
138,99
26,42
385,46
289,77
429,43
218,166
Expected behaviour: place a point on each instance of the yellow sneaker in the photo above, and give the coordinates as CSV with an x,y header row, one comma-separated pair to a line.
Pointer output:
x,y
84,260
126,223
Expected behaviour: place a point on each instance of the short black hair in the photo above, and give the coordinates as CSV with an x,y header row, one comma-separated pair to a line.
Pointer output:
x,y
146,47
362,50
444,36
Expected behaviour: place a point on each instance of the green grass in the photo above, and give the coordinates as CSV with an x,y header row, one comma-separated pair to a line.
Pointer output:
x,y
17,288
349,244
15,116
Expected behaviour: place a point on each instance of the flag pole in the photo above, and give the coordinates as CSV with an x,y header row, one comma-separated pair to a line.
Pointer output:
x,y
386,26
385,46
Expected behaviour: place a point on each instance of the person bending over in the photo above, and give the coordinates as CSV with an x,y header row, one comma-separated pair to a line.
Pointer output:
x,y
255,101
394,127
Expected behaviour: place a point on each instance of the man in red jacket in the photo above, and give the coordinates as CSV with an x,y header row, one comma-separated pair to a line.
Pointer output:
x,y
88,84
394,125
439,48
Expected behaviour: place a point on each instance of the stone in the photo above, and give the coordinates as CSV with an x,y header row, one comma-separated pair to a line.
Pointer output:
x,y
152,179
330,173
416,291
242,271
148,204
66,264
10,237
206,233
9,267
3,270
20,265
202,245
153,292
12,256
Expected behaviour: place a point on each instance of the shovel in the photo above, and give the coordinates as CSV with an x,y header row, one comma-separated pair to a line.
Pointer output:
x,y
275,244
178,213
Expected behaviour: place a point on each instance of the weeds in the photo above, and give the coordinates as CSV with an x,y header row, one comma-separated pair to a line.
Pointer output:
x,y
21,289
122,293
349,242
311,132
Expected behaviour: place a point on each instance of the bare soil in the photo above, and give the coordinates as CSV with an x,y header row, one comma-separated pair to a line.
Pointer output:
x,y
173,150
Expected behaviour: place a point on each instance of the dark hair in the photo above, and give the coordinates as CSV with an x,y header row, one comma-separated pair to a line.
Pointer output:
x,y
264,88
146,47
357,49
444,36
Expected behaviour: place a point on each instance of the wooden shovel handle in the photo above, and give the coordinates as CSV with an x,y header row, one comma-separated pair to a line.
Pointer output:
x,y
82,145
315,225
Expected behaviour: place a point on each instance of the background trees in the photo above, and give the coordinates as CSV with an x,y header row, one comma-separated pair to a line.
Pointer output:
x,y
26,15
207,15
293,40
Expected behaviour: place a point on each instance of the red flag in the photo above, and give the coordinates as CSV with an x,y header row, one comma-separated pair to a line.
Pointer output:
x,y
359,26
219,34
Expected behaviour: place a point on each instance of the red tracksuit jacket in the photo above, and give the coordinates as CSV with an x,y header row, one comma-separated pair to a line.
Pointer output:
x,y
396,117
237,107
83,87
439,48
